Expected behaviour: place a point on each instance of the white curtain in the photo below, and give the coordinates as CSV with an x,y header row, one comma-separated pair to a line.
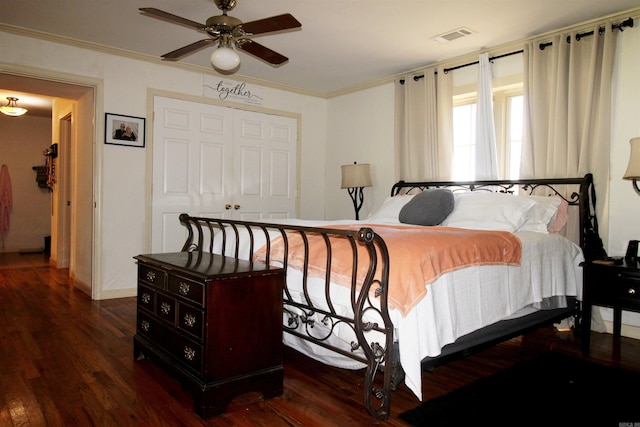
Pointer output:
x,y
567,90
423,126
486,152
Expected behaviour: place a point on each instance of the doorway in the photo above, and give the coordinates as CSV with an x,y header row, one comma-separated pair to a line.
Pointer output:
x,y
72,111
65,183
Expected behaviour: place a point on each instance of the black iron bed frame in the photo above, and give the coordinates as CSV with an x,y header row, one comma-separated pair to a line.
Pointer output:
x,y
380,355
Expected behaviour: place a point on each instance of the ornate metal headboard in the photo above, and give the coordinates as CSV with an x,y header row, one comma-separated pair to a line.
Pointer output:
x,y
581,194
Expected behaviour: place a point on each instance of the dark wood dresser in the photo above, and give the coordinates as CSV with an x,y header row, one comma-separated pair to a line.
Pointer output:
x,y
213,322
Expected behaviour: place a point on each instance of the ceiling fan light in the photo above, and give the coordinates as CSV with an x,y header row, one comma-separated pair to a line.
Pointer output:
x,y
224,58
12,109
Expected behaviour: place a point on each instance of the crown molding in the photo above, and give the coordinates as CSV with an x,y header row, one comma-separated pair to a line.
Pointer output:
x,y
26,32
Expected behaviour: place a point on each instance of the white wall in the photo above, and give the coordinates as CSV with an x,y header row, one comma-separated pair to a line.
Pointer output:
x,y
24,140
360,129
121,215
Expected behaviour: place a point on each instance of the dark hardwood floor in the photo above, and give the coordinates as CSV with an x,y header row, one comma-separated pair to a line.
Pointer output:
x,y
68,361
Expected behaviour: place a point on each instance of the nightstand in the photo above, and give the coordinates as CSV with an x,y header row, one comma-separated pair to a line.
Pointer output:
x,y
609,285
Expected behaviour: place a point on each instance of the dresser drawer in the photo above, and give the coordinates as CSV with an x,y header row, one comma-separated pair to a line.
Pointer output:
x,y
149,327
620,286
146,298
152,276
173,345
189,353
186,288
191,320
166,308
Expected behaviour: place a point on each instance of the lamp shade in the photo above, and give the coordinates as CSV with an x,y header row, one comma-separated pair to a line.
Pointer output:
x,y
633,170
225,58
356,175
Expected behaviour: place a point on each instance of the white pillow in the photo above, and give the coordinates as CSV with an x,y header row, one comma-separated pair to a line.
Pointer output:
x,y
390,210
540,217
489,211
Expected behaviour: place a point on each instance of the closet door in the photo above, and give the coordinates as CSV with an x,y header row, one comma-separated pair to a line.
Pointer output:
x,y
264,166
218,162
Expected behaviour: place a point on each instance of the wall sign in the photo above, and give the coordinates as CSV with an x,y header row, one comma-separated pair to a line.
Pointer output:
x,y
230,90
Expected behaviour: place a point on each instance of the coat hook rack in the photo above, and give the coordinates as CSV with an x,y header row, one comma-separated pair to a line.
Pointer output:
x,y
52,151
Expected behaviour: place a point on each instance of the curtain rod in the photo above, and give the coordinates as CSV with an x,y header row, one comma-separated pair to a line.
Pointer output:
x,y
619,26
446,70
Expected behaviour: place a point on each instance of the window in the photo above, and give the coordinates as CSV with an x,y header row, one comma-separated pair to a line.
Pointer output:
x,y
464,142
514,129
508,116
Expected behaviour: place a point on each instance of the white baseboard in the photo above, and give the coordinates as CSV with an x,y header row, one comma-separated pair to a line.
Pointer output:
x,y
117,293
629,331
84,287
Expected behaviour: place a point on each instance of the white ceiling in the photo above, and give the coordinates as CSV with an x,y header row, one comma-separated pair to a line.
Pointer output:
x,y
342,43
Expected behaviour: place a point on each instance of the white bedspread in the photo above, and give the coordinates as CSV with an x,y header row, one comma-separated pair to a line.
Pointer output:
x,y
457,303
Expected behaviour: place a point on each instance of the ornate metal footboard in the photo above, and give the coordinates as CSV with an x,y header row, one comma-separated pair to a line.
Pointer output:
x,y
314,318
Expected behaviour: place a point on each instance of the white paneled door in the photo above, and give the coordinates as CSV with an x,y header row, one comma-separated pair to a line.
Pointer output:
x,y
218,162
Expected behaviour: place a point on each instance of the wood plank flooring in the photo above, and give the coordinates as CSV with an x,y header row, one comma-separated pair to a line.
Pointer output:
x,y
68,361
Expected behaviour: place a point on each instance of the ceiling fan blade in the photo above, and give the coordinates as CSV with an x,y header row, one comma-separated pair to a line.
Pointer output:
x,y
188,49
275,23
157,13
262,52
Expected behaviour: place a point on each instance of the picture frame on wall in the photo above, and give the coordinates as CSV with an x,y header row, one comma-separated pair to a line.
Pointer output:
x,y
124,130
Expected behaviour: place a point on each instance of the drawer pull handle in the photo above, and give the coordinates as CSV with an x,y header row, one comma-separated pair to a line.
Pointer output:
x,y
165,308
145,325
146,298
189,320
151,276
628,278
183,288
189,353
631,291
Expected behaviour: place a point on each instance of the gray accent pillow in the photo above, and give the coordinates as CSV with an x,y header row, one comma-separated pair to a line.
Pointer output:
x,y
429,207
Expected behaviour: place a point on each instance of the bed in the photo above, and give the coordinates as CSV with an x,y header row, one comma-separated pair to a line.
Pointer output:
x,y
395,298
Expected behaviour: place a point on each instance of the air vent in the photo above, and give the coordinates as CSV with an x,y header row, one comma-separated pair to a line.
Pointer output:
x,y
450,36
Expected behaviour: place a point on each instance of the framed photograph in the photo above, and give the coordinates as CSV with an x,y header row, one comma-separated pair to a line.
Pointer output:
x,y
124,130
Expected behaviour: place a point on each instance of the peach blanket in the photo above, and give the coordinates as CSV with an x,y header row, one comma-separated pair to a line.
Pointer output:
x,y
417,256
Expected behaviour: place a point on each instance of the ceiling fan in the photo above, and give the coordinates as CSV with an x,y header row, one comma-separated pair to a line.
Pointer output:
x,y
229,31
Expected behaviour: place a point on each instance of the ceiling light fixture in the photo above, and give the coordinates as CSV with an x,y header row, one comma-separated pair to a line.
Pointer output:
x,y
224,57
12,109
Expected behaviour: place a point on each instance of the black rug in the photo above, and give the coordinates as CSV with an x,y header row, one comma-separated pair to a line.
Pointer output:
x,y
550,390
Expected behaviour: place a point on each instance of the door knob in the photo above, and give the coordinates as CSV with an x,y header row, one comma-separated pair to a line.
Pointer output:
x,y
236,206
227,206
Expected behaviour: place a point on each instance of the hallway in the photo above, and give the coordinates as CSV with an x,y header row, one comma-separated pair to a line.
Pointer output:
x,y
18,260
